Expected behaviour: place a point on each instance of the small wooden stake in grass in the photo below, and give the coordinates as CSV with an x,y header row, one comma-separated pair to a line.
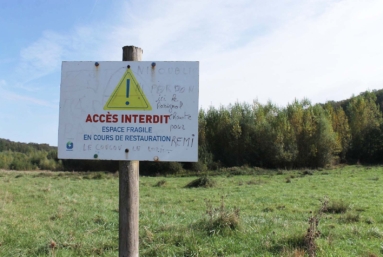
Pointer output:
x,y
129,188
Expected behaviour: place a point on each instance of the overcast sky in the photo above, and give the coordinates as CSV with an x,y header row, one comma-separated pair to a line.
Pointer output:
x,y
277,50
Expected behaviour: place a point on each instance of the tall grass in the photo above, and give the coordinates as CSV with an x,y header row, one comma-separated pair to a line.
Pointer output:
x,y
76,214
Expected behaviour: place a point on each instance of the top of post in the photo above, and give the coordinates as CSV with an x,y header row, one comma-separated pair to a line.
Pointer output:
x,y
131,53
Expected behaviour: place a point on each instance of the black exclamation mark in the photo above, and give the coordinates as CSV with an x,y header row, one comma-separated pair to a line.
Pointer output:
x,y
127,90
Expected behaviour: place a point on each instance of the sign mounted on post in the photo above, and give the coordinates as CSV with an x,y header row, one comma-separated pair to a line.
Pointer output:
x,y
129,111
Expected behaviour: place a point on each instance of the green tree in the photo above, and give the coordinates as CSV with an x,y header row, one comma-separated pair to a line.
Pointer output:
x,y
286,149
364,118
340,126
324,138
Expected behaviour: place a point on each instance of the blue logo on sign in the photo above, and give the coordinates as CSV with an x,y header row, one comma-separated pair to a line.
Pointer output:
x,y
69,146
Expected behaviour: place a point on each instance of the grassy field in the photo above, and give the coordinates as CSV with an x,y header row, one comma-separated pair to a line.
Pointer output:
x,y
265,213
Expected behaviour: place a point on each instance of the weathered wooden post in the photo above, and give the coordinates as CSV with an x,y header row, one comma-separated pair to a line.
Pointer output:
x,y
129,188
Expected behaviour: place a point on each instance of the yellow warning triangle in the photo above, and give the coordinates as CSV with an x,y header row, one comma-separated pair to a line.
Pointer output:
x,y
128,95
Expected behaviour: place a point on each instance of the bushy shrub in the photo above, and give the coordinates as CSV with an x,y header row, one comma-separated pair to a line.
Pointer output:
x,y
196,166
204,181
174,167
337,206
221,220
351,217
160,168
160,183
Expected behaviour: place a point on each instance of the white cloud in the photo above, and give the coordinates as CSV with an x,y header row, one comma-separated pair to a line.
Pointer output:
x,y
43,56
306,57
278,50
8,95
26,99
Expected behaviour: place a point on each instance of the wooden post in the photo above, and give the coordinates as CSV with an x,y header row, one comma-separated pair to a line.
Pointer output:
x,y
129,188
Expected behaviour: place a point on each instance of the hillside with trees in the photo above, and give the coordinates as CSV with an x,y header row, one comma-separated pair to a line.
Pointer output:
x,y
300,135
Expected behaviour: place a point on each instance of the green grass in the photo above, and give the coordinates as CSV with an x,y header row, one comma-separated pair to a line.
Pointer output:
x,y
76,214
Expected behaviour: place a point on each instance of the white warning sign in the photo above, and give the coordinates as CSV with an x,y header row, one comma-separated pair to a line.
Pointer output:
x,y
129,111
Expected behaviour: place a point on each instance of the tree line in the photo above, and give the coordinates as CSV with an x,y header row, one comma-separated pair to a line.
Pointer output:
x,y
296,136
300,135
